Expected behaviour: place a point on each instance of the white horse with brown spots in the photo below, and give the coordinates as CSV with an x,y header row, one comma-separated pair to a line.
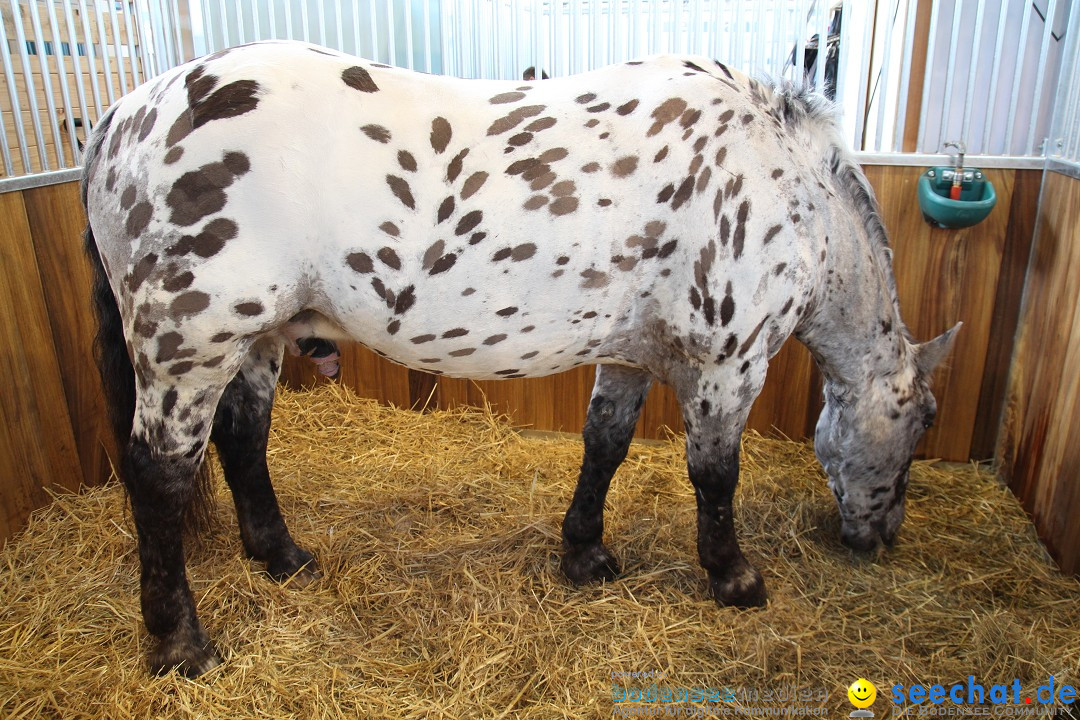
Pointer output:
x,y
666,219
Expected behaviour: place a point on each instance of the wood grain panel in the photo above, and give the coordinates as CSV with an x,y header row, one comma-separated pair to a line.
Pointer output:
x,y
38,448
57,220
944,276
1039,447
1008,296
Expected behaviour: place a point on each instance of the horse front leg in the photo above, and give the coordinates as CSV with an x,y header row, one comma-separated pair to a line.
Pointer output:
x,y
617,397
715,410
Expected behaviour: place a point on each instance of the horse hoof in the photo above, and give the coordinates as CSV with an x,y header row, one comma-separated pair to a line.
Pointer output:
x,y
297,569
179,652
590,563
743,588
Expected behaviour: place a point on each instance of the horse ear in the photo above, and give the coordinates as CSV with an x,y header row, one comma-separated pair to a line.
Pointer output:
x,y
929,354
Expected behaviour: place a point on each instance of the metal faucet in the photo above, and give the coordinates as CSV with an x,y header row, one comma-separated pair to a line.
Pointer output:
x,y
958,171
961,150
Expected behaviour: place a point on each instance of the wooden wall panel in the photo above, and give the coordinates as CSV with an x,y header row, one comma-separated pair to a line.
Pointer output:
x,y
1039,446
37,447
57,220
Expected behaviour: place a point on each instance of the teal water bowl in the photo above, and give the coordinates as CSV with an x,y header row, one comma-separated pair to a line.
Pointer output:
x,y
977,197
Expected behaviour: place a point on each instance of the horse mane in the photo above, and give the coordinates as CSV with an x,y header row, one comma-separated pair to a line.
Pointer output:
x,y
799,104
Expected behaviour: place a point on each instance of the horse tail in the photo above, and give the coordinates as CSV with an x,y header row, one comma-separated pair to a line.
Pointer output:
x,y
111,351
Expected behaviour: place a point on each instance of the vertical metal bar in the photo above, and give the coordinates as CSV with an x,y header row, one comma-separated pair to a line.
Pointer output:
x,y
759,37
289,30
271,17
207,27
863,108
823,46
427,35
845,55
356,27
226,36
136,78
305,26
634,46
374,30
106,65
1017,74
980,17
61,75
924,111
13,95
91,55
538,38
337,23
409,63
9,169
1040,78
174,19
801,20
118,48
80,87
241,21
558,67
256,24
596,28
905,77
654,26
46,83
947,102
161,30
446,7
883,80
321,15
391,44
148,51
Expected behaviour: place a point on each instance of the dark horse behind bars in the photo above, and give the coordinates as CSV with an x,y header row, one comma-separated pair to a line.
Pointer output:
x,y
667,219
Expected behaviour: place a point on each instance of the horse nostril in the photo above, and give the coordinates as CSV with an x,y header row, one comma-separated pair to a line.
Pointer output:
x,y
858,542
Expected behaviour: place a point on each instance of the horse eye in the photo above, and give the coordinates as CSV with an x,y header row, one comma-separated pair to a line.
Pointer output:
x,y
928,422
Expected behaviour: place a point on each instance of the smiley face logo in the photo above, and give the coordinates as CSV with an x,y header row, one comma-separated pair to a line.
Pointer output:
x,y
862,693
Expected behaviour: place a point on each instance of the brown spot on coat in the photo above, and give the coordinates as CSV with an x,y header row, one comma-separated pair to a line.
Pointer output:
x,y
358,78
495,339
624,166
400,188
454,168
190,303
389,258
440,134
540,124
249,308
201,192
406,161
563,206
141,271
513,119
232,100
454,333
523,251
473,183
138,218
468,222
377,133
433,253
627,108
360,262
535,202
168,344
594,278
443,264
506,97
390,229
666,112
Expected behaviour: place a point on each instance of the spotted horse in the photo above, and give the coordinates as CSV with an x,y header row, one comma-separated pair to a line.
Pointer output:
x,y
666,219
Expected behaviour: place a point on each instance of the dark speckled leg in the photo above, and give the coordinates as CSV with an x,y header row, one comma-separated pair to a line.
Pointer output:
x,y
240,432
617,397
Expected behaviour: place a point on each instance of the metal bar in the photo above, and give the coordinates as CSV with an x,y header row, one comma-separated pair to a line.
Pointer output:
x,y
271,17
337,23
800,44
174,19
883,78
677,34
823,45
145,27
26,182
80,87
925,159
862,106
321,15
1037,91
1073,133
538,38
241,23
305,26
1017,74
999,41
905,76
226,36
947,102
106,65
5,151
160,27
356,27
91,59
118,48
557,65
256,24
845,54
980,17
931,48
46,83
289,30
427,35
13,95
135,74
374,30
654,26
61,75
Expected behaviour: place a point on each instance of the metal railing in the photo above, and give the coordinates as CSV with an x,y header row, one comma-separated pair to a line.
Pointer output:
x,y
988,73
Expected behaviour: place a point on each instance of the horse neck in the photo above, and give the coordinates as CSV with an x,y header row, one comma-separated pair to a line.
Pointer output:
x,y
854,330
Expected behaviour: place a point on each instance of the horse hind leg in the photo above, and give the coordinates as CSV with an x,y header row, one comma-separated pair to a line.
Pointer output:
x,y
240,433
617,397
160,468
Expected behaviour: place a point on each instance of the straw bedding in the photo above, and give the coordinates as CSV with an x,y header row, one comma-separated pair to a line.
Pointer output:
x,y
439,538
